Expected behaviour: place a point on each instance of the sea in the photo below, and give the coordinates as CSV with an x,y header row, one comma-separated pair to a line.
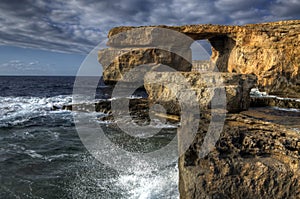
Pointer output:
x,y
42,155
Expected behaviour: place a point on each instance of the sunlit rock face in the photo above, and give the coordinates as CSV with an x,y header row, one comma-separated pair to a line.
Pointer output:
x,y
117,62
252,157
211,89
268,50
271,51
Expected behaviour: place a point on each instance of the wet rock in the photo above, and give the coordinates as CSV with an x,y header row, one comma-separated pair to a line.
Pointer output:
x,y
275,101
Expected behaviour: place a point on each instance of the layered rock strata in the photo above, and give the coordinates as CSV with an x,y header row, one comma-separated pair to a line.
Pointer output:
x,y
117,62
251,159
166,89
269,50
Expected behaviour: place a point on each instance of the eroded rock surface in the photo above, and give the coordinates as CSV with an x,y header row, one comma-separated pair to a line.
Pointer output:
x,y
269,50
231,91
275,101
117,62
251,159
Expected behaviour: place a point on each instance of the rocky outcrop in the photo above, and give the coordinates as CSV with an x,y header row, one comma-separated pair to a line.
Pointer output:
x,y
117,62
275,101
166,88
251,159
268,50
262,99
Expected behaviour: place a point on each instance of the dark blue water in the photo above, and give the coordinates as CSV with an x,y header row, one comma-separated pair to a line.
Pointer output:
x,y
42,156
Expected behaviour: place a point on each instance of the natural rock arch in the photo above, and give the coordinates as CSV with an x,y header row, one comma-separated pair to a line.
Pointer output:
x,y
268,50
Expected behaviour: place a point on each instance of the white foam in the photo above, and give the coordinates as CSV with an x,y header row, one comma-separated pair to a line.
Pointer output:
x,y
130,97
59,156
143,181
17,110
33,154
256,93
148,182
105,122
286,109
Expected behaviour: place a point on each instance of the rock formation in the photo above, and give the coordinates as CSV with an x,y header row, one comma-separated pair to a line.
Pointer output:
x,y
268,50
117,62
167,91
275,101
252,158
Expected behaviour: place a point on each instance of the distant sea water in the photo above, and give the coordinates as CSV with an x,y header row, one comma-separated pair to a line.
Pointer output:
x,y
42,156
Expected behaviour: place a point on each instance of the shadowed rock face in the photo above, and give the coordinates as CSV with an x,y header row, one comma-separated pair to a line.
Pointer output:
x,y
221,50
269,50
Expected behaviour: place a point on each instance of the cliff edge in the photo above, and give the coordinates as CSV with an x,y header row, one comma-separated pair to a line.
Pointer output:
x,y
252,157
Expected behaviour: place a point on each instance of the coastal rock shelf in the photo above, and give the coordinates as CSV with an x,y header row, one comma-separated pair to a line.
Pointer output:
x,y
251,159
275,101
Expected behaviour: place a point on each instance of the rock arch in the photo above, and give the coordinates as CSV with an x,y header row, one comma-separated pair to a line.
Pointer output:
x,y
268,50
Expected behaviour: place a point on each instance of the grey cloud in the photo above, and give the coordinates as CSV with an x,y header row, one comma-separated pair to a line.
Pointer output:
x,y
239,5
78,25
249,16
286,8
23,67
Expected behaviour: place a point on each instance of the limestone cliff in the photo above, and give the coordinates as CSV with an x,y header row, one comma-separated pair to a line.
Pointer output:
x,y
252,158
269,50
169,90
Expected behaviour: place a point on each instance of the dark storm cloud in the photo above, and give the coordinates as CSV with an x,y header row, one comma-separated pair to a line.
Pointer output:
x,y
287,8
79,25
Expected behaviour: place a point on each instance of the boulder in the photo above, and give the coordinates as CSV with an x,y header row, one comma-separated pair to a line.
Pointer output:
x,y
230,91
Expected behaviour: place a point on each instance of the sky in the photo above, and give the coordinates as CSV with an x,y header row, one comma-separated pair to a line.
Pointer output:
x,y
48,37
